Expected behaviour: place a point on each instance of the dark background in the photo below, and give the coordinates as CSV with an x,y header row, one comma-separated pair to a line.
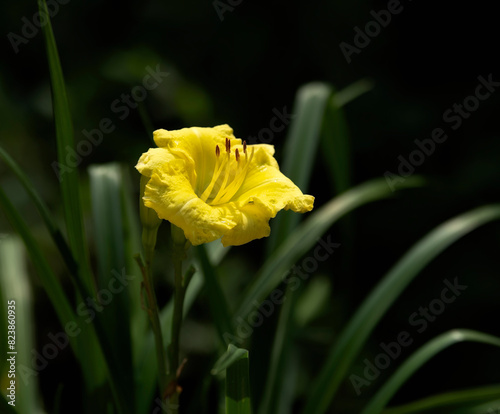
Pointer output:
x,y
237,71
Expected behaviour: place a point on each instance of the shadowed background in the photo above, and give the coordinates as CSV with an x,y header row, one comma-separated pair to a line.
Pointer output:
x,y
238,71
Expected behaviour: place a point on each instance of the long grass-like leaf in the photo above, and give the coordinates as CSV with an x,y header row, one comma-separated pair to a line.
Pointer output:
x,y
272,401
216,299
236,363
419,358
444,401
374,307
15,285
300,150
490,407
51,225
67,174
306,236
105,188
49,280
335,146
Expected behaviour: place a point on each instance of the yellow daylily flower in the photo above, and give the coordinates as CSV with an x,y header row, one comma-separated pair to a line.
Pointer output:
x,y
212,185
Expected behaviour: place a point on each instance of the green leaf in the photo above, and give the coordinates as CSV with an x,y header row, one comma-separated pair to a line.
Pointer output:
x,y
52,227
232,354
443,401
15,285
68,175
216,299
381,298
353,91
47,277
419,358
335,146
306,236
313,300
300,150
275,398
235,362
105,187
490,407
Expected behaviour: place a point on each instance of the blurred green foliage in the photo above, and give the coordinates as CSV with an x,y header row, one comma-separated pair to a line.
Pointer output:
x,y
238,71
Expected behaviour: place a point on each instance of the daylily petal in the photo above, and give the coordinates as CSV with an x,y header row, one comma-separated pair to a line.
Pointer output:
x,y
170,194
195,144
270,186
253,224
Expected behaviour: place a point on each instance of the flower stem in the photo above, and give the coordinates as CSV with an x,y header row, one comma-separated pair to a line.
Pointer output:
x,y
154,316
153,310
180,285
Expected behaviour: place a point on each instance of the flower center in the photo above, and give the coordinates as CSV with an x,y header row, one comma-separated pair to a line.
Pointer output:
x,y
229,173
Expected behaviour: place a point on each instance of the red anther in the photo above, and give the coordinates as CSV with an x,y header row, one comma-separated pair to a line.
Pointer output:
x,y
245,147
237,153
217,150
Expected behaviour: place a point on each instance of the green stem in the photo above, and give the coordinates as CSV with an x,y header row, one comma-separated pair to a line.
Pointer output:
x,y
179,253
154,318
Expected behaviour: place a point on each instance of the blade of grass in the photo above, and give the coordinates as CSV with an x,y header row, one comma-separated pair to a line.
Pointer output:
x,y
491,407
62,306
352,91
419,358
105,188
335,146
229,357
381,298
306,236
216,299
52,227
272,401
47,277
300,149
16,287
68,176
235,362
443,401
91,356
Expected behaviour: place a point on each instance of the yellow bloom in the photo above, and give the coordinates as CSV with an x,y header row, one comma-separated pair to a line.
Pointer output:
x,y
212,185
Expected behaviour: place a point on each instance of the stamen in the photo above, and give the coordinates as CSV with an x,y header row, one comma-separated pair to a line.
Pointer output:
x,y
217,172
223,170
235,185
